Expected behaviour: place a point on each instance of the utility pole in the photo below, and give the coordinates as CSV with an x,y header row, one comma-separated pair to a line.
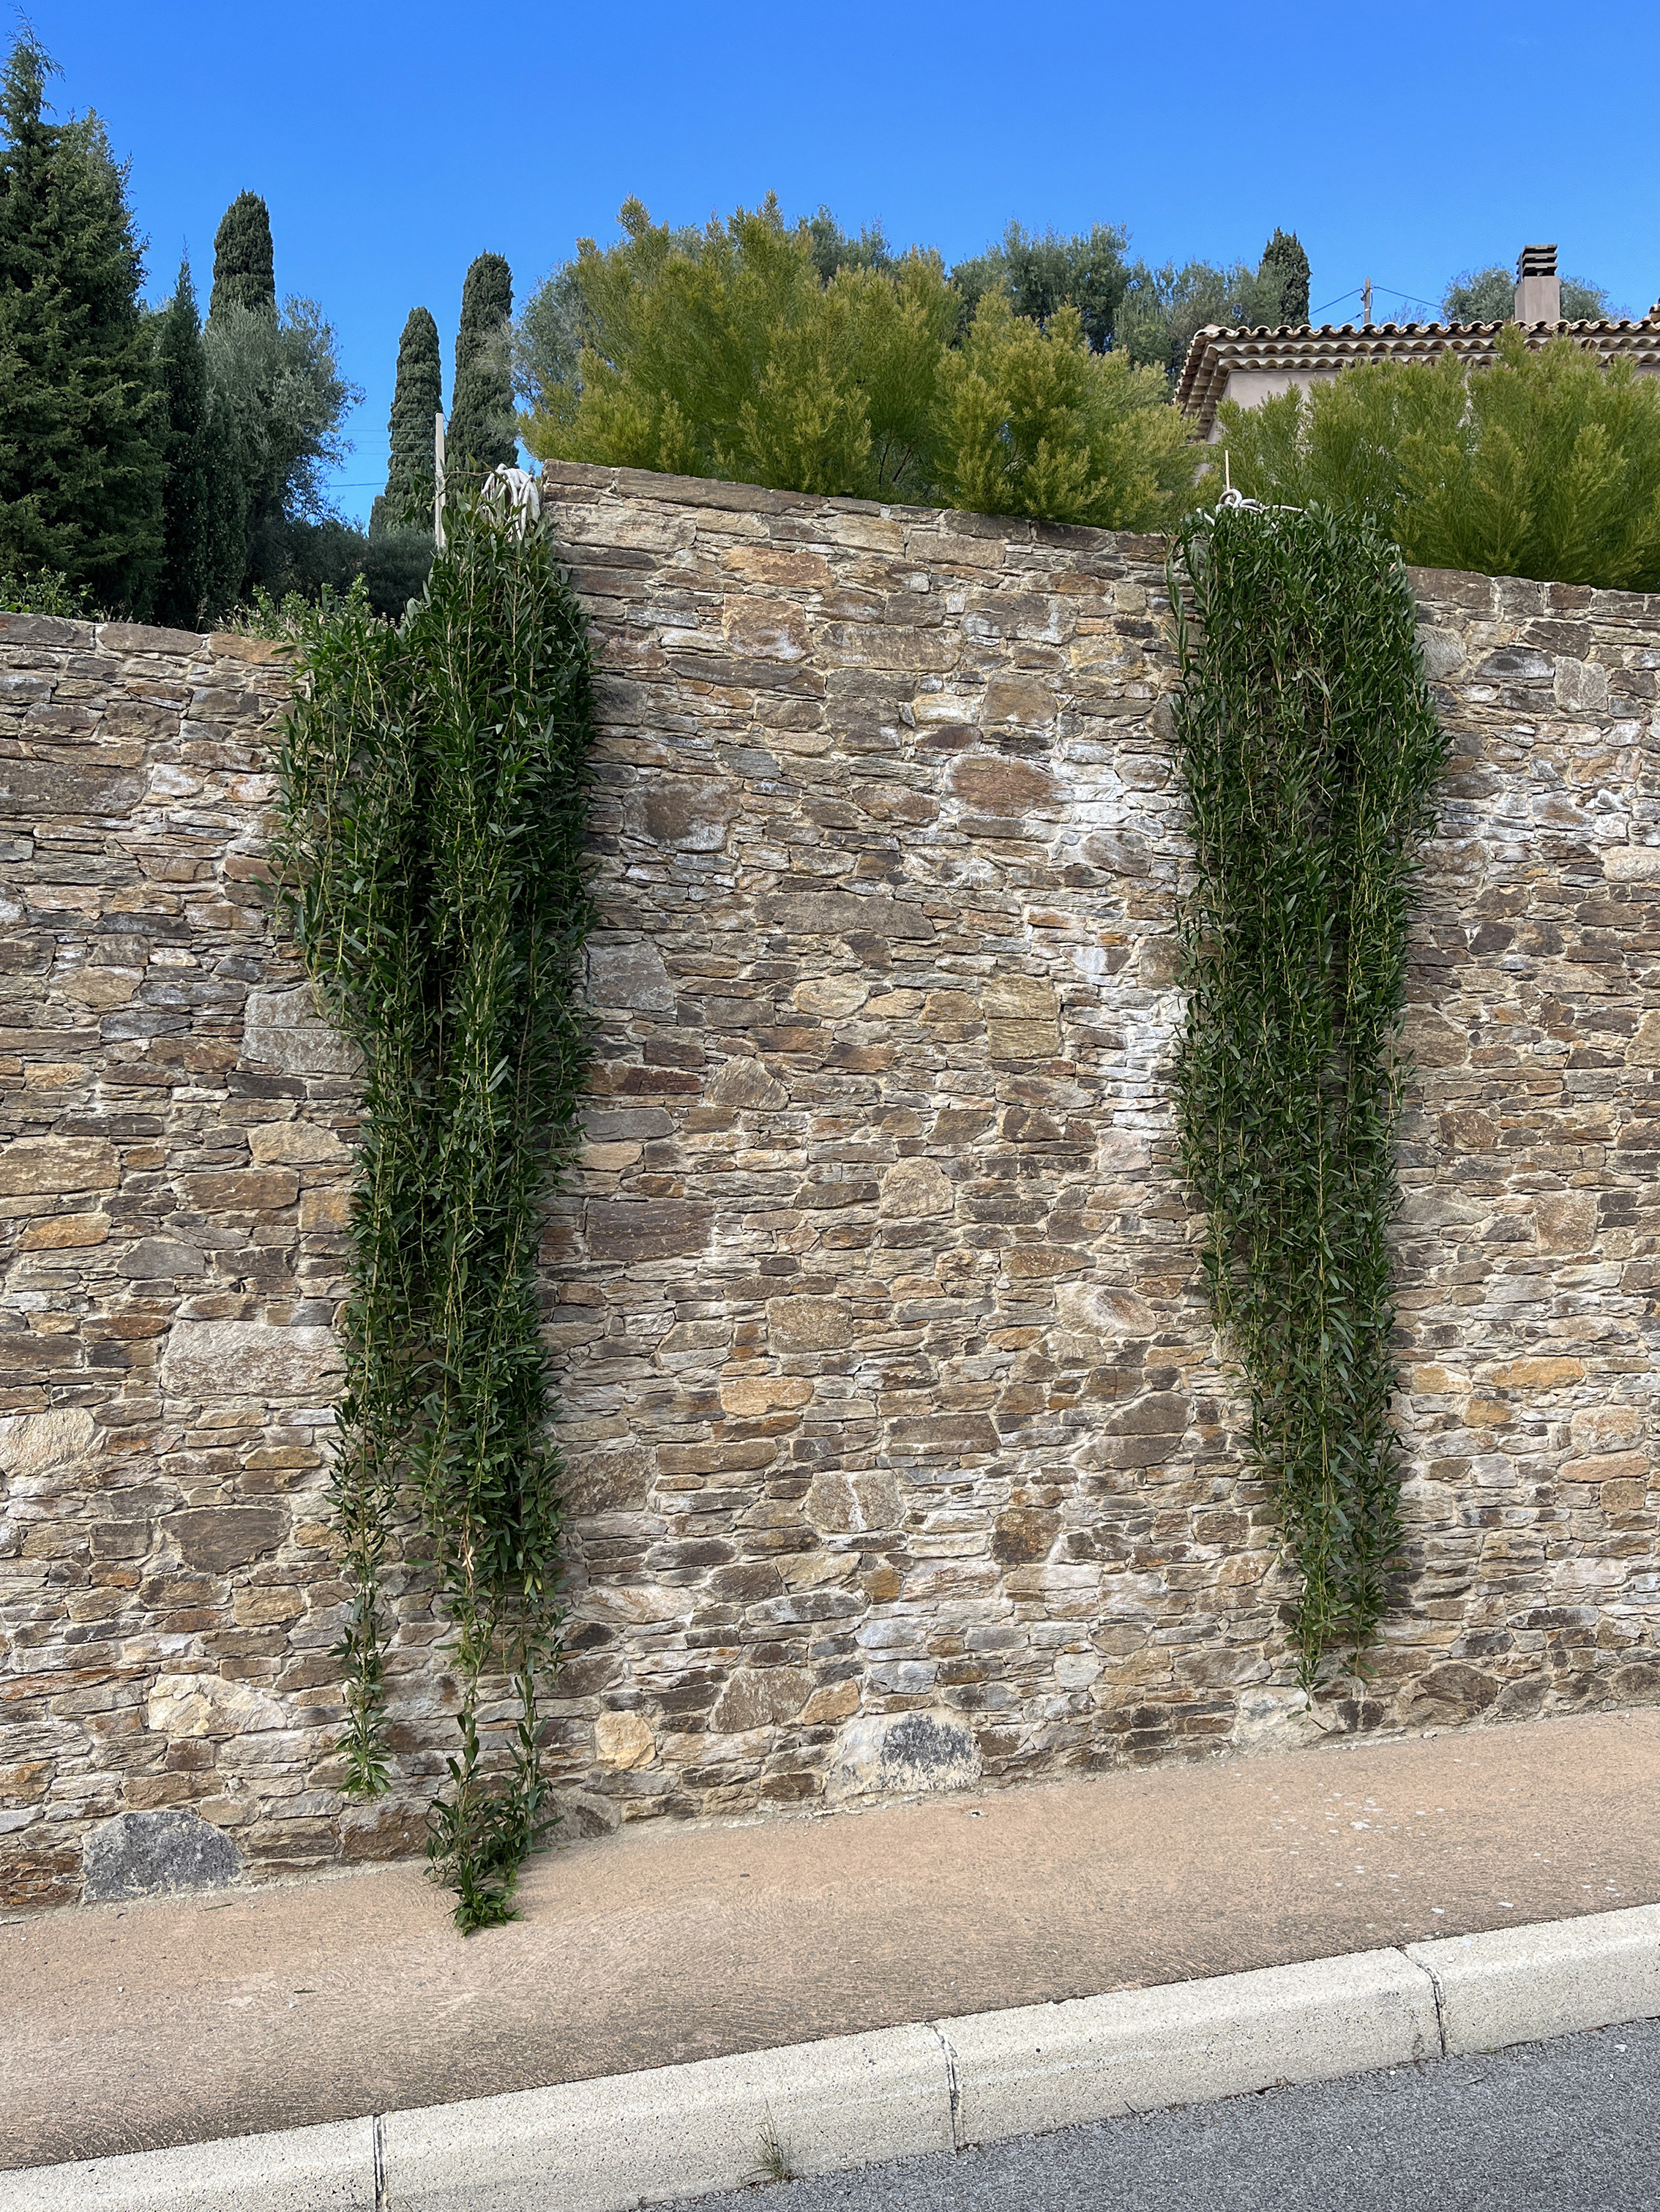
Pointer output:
x,y
1365,303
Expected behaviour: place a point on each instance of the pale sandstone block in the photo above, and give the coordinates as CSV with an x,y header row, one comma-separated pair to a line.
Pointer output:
x,y
245,1359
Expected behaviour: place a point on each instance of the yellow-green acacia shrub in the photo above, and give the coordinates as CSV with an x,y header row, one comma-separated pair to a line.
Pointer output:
x,y
1546,464
1033,423
726,356
725,353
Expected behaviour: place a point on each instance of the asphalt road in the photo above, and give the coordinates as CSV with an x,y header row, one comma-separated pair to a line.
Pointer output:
x,y
1570,2126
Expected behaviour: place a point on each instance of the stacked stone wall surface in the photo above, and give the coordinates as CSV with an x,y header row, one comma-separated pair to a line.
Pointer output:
x,y
900,1452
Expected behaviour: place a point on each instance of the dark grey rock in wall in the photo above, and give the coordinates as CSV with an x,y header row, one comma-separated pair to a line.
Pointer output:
x,y
155,1855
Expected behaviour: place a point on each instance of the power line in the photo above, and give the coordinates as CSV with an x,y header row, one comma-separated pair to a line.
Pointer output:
x,y
1395,291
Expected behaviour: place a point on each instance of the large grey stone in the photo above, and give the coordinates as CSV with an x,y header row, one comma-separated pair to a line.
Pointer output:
x,y
691,813
834,913
900,1755
1443,650
760,1696
214,1539
157,1855
633,1230
81,793
245,1359
281,1030
628,978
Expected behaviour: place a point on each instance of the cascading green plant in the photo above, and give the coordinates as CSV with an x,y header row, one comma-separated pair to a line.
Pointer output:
x,y
1309,753
433,785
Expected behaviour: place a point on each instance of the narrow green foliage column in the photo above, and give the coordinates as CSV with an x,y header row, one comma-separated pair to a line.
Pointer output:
x,y
434,790
481,433
1282,279
202,499
417,395
1309,754
244,259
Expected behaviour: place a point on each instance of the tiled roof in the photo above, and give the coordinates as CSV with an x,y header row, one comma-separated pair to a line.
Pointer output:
x,y
1215,354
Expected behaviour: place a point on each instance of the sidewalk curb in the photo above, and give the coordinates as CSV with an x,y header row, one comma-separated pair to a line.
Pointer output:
x,y
609,2145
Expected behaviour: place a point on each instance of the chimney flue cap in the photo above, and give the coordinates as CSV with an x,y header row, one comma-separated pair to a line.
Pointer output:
x,y
1536,261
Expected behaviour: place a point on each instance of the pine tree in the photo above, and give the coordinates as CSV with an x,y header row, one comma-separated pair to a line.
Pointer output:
x,y
244,260
1283,274
204,501
80,415
480,433
417,397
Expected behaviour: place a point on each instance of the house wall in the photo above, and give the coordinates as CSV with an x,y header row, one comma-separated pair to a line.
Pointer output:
x,y
1249,387
900,1454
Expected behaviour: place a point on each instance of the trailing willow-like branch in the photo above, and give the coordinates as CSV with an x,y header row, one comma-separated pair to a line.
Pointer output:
x,y
1309,753
434,800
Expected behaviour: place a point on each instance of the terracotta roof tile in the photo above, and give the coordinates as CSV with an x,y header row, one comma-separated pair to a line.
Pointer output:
x,y
1214,354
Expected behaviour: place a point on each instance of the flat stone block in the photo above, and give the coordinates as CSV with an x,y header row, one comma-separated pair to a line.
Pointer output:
x,y
245,1358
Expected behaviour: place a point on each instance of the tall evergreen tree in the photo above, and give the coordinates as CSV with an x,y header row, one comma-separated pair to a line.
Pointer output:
x,y
1283,276
244,260
481,425
81,427
417,397
204,501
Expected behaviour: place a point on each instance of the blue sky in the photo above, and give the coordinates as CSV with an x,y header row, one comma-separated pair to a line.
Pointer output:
x,y
1402,142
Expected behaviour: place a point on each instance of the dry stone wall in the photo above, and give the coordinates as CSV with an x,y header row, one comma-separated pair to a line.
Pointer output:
x,y
900,1453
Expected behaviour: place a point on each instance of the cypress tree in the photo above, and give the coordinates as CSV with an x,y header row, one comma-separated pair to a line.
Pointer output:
x,y
1284,276
244,261
202,502
80,415
417,397
481,425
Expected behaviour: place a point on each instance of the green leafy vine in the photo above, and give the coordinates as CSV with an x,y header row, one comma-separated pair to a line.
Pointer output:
x,y
1309,754
433,786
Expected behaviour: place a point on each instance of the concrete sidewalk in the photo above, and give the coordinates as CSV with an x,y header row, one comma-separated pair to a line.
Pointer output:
x,y
135,2027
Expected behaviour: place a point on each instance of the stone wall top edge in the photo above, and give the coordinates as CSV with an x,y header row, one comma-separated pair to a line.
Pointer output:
x,y
1441,585
1511,595
564,478
134,638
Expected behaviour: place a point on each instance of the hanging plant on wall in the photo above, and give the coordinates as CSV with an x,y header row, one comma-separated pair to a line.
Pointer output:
x,y
434,801
1309,754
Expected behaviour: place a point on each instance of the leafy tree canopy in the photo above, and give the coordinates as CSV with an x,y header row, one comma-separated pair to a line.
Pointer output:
x,y
279,377
1163,308
1038,273
832,248
81,417
1488,295
1545,464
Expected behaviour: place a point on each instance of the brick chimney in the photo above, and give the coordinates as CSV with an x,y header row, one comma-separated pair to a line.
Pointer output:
x,y
1538,288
